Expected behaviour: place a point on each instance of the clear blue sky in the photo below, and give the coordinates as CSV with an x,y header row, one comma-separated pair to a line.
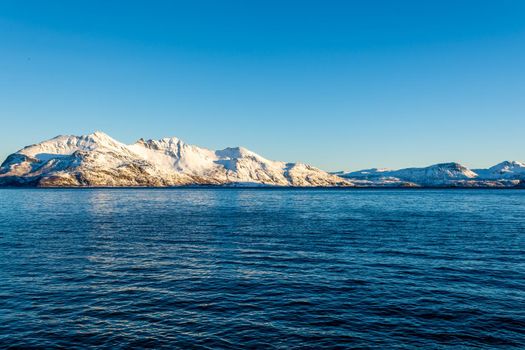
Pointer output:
x,y
337,84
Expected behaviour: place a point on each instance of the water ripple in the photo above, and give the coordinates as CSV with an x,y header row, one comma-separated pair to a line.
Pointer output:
x,y
271,269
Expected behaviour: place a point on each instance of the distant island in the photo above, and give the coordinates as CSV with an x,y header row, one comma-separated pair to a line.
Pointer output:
x,y
97,160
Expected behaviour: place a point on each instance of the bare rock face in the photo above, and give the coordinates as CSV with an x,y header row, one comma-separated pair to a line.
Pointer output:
x,y
97,160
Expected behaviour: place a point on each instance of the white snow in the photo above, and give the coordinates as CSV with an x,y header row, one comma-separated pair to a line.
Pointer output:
x,y
503,170
443,174
99,160
169,161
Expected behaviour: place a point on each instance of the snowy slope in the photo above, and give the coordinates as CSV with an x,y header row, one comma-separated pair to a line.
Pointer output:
x,y
438,174
504,170
99,160
506,174
230,165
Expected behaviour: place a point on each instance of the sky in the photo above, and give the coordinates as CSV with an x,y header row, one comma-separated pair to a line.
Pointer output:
x,y
341,85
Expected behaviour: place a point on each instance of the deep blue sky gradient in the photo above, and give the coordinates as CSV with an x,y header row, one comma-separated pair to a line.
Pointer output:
x,y
338,84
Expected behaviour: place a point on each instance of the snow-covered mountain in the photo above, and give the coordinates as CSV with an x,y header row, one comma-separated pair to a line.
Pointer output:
x,y
438,174
505,174
510,170
98,160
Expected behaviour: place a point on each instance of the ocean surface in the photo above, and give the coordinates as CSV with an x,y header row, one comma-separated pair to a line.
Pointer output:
x,y
262,268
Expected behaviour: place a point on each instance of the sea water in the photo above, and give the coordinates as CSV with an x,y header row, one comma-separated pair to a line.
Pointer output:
x,y
262,268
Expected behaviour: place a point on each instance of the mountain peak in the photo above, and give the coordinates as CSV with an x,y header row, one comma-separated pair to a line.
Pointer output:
x,y
508,164
99,133
167,143
449,165
454,167
239,152
97,159
100,136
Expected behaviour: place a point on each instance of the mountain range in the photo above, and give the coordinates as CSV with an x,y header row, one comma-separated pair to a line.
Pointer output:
x,y
504,174
97,160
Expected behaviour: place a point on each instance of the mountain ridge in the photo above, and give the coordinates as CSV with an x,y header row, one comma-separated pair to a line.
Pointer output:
x,y
98,160
512,173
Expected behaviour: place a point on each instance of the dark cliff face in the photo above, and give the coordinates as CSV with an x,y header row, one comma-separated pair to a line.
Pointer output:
x,y
17,181
13,159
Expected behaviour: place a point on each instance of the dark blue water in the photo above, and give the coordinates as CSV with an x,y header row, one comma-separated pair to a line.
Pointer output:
x,y
241,268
